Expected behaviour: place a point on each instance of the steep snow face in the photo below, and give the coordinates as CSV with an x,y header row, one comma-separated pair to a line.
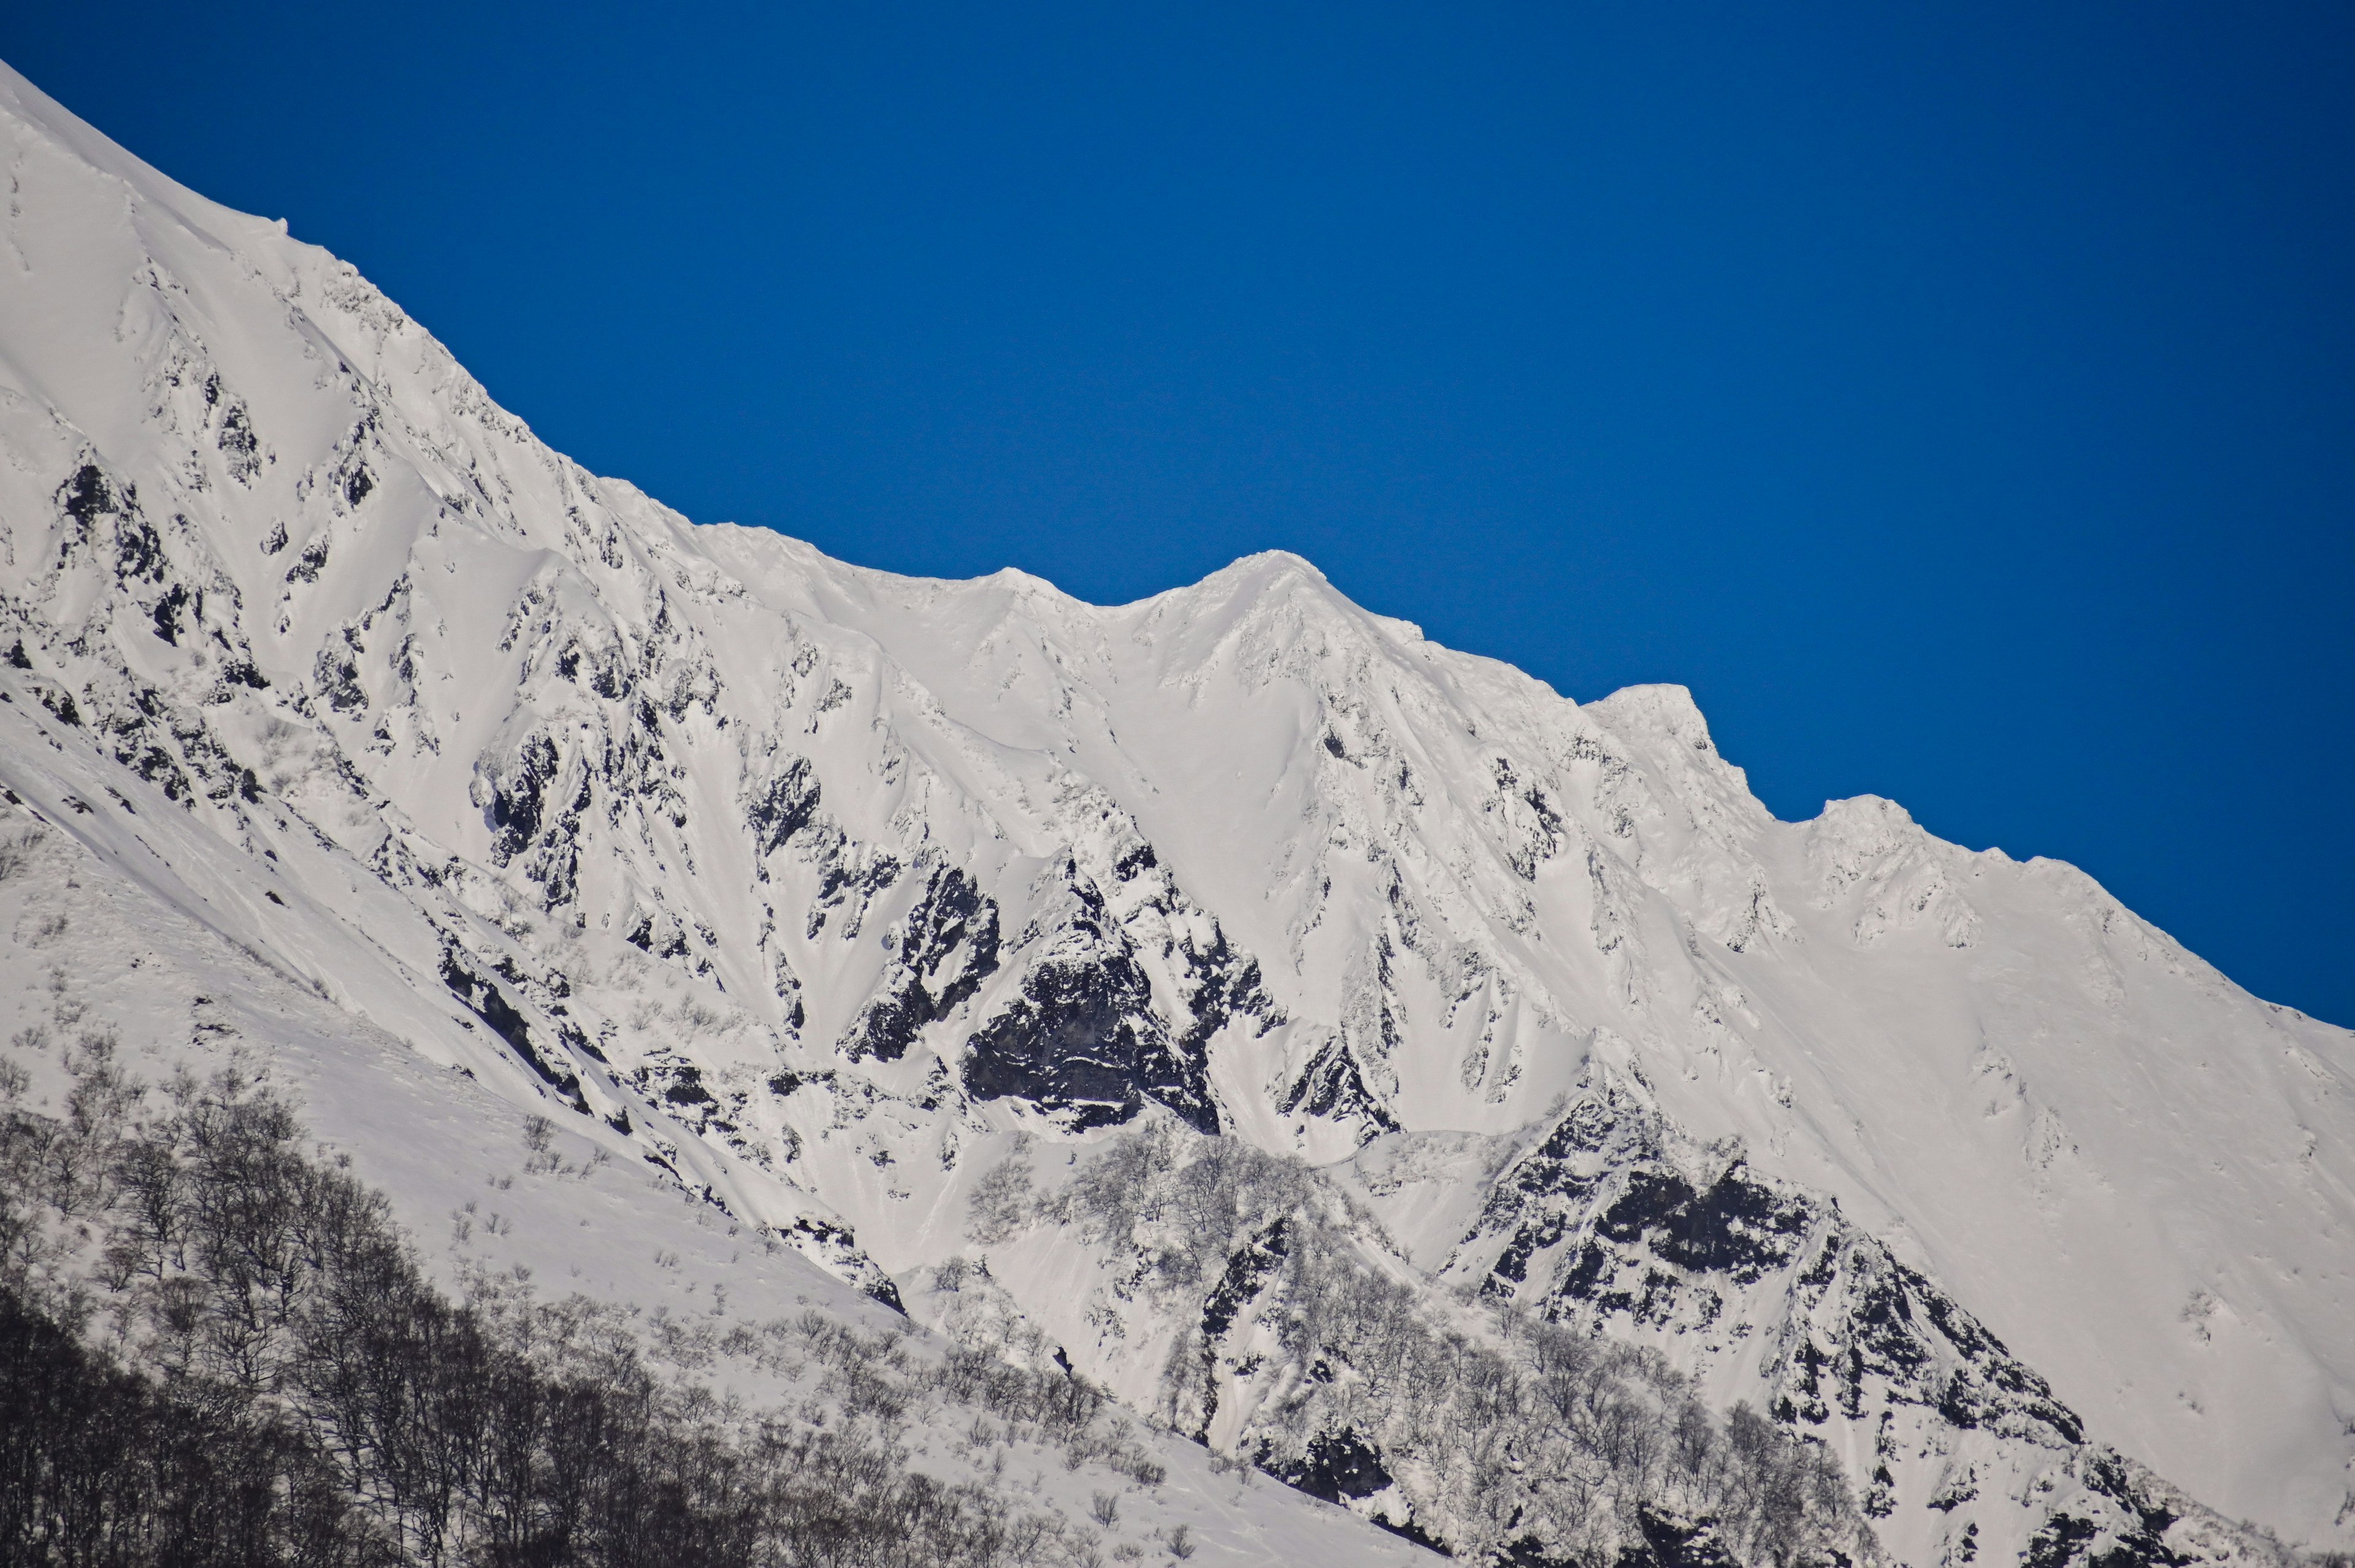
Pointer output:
x,y
834,894
504,1204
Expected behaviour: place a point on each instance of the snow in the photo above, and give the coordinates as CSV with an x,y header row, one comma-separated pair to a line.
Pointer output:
x,y
1404,905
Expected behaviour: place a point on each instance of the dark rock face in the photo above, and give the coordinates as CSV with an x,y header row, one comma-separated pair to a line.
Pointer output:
x,y
335,675
1246,1274
1628,1230
948,948
310,562
516,800
2138,1540
167,611
782,806
1738,1227
835,1249
1223,986
1874,1331
1599,1218
535,822
241,447
848,881
668,942
485,1001
1336,1466
1550,1193
1533,822
1611,1218
1082,1038
1331,1087
90,493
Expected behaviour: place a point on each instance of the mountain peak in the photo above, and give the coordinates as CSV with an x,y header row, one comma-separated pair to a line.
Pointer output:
x,y
1043,967
1661,708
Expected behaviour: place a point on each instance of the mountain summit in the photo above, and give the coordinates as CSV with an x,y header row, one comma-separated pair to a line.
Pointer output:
x,y
1317,1037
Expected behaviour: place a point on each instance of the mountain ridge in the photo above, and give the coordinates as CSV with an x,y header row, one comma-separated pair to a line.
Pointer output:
x,y
832,892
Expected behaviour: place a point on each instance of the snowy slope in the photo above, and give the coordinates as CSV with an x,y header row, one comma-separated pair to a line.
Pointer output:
x,y
841,895
96,952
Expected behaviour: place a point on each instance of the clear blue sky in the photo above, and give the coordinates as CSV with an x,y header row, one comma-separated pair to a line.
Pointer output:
x,y
1960,398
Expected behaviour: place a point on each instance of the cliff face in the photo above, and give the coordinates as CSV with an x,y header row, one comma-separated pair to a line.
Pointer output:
x,y
893,916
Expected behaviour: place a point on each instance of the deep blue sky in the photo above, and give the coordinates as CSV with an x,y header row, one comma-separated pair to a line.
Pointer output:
x,y
1961,400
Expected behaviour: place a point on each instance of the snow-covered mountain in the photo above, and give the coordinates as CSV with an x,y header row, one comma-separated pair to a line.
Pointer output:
x,y
1298,1028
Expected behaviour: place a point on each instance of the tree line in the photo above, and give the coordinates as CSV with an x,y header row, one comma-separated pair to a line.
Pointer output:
x,y
217,1347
